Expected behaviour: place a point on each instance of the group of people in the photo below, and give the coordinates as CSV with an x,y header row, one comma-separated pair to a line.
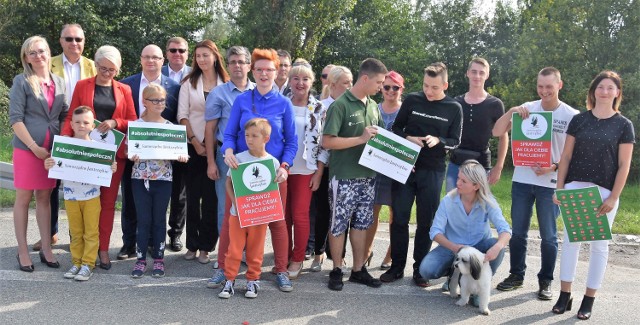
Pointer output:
x,y
315,143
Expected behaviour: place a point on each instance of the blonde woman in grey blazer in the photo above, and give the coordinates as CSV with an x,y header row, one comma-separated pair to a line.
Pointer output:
x,y
37,108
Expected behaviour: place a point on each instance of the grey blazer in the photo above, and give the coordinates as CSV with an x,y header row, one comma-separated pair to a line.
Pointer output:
x,y
33,111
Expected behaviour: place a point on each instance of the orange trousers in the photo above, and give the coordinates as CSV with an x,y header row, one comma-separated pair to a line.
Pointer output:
x,y
279,235
253,239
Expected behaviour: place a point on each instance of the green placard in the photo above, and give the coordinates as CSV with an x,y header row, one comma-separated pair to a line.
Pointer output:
x,y
579,209
112,136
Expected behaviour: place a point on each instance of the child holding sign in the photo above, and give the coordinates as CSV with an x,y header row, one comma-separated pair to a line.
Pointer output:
x,y
82,202
151,187
257,133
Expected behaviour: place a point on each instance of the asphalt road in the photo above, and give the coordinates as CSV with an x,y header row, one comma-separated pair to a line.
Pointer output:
x,y
181,297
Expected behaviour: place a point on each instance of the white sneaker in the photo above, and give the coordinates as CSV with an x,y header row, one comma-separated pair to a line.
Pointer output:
x,y
72,272
227,290
252,289
84,274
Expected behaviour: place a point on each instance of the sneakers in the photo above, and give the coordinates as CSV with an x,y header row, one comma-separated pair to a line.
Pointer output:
x,y
284,284
84,274
138,269
252,289
127,252
544,291
394,273
363,277
512,282
419,280
217,279
227,290
158,268
72,272
335,279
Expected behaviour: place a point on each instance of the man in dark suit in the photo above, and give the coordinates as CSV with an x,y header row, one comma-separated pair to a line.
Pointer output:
x,y
177,54
151,60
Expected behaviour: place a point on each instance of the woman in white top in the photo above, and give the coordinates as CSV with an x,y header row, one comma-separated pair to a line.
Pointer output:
x,y
308,164
339,80
207,72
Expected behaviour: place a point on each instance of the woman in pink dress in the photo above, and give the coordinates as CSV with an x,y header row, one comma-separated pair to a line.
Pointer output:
x,y
36,109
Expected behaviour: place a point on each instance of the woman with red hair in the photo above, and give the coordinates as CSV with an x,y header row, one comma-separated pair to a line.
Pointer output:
x,y
207,72
266,102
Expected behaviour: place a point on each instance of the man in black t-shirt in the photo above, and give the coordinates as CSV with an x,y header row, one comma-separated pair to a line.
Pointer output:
x,y
480,111
433,121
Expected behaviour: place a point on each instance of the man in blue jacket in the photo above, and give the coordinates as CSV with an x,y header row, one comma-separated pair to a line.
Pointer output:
x,y
151,60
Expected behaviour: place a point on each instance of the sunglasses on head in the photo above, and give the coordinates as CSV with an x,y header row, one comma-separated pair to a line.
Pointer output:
x,y
71,39
324,76
177,50
387,87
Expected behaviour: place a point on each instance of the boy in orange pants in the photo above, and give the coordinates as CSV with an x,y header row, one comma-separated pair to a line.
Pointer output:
x,y
257,133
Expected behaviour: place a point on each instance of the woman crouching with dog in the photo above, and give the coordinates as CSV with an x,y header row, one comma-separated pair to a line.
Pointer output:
x,y
462,219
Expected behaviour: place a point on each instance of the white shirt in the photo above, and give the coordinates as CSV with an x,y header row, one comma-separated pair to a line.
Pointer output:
x,y
561,118
284,86
144,83
71,76
176,75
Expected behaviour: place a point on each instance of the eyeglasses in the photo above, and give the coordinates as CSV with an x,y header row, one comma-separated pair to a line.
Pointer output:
x,y
177,50
156,101
238,62
71,39
324,76
265,71
151,58
34,54
387,87
107,70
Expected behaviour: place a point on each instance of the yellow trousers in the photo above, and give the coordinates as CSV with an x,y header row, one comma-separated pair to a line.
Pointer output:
x,y
84,217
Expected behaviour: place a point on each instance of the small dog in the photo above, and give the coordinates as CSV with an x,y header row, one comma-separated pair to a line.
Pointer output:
x,y
475,278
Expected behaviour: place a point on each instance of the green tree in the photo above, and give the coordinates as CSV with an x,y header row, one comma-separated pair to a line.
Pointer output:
x,y
295,25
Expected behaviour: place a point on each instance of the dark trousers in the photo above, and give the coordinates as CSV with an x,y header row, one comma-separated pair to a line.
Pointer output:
x,y
128,216
424,187
202,205
178,207
151,211
55,208
321,212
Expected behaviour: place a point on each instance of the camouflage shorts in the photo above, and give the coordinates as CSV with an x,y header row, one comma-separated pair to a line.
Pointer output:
x,y
351,201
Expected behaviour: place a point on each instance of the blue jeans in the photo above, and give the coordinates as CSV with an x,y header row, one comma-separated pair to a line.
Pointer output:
x,y
523,196
220,185
151,210
452,176
439,261
423,186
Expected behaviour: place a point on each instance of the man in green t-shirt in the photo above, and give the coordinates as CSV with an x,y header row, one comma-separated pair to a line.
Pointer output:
x,y
350,123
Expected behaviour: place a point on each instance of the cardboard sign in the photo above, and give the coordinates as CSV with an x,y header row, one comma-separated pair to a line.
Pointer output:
x,y
82,161
157,140
579,209
257,195
110,137
390,155
531,139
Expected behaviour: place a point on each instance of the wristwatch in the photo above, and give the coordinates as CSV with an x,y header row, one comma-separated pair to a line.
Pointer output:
x,y
285,166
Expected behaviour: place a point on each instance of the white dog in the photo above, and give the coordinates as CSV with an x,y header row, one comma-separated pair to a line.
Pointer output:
x,y
475,278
